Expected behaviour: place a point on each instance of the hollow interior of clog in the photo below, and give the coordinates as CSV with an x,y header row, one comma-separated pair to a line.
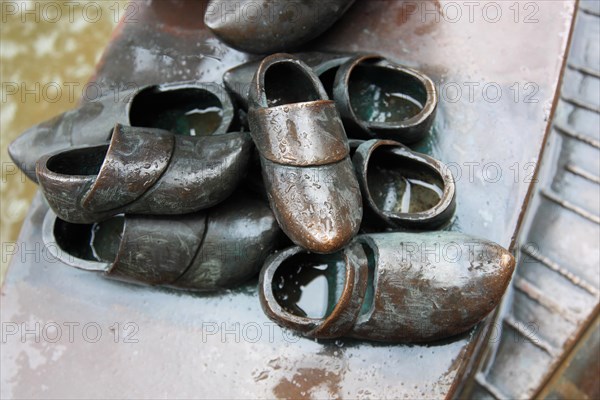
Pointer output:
x,y
385,95
288,83
85,161
400,185
187,111
93,242
310,285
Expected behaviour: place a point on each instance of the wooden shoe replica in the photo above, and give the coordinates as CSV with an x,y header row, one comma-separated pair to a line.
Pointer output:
x,y
304,155
325,65
402,188
208,250
143,171
388,287
380,99
267,26
186,108
376,97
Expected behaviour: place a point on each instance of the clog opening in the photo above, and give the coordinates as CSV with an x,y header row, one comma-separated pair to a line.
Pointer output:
x,y
384,95
189,111
401,185
288,83
93,242
85,161
310,285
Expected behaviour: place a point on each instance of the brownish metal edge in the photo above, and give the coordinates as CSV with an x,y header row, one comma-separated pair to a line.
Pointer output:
x,y
573,345
476,351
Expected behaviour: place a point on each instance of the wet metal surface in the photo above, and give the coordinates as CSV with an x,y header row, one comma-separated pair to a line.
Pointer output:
x,y
380,99
403,188
218,248
304,153
267,26
196,346
143,171
187,108
396,288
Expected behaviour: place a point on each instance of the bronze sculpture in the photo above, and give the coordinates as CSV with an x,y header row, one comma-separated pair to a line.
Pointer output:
x,y
267,26
304,155
381,99
143,171
93,121
213,249
393,287
403,188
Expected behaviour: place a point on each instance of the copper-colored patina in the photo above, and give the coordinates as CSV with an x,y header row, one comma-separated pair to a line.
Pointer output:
x,y
172,106
394,287
378,98
143,171
324,64
169,43
304,152
401,188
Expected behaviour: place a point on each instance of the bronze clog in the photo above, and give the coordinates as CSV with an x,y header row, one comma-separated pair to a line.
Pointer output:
x,y
402,188
208,250
267,26
238,80
186,108
304,155
388,287
143,171
381,99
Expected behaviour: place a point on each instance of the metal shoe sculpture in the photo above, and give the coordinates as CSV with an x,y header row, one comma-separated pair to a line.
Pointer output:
x,y
304,155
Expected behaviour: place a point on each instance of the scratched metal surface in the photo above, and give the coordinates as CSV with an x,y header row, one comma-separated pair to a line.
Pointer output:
x,y
222,346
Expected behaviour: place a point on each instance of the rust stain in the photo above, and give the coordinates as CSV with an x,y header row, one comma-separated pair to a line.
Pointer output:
x,y
305,381
426,29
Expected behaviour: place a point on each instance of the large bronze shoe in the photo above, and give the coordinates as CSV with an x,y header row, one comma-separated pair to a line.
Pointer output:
x,y
186,108
208,250
143,171
401,188
267,26
388,287
304,155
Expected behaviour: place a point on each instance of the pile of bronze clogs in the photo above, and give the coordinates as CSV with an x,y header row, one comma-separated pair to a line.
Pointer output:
x,y
176,192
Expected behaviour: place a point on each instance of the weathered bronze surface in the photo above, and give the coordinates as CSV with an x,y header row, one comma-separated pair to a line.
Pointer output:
x,y
380,99
143,171
376,97
206,342
304,155
267,26
238,80
396,287
403,188
209,250
188,108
